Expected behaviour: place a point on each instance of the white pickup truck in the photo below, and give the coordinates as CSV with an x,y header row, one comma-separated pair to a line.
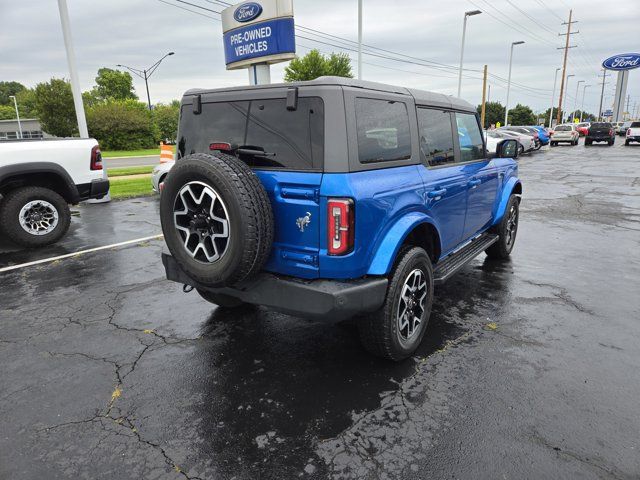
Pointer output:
x,y
38,181
633,133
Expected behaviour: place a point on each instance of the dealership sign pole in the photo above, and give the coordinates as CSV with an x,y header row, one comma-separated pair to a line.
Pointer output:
x,y
257,34
622,64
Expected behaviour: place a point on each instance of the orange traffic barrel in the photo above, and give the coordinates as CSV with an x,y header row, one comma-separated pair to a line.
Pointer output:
x,y
166,154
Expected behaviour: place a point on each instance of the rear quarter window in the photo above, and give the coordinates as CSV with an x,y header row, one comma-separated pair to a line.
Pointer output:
x,y
383,130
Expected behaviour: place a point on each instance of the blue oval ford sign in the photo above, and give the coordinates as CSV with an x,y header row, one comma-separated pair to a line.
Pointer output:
x,y
624,61
247,12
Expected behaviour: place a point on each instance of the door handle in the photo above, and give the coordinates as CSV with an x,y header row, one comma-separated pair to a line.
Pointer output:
x,y
474,183
436,193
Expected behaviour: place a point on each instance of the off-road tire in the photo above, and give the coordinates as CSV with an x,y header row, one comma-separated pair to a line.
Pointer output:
x,y
220,299
627,142
248,208
379,331
503,247
15,200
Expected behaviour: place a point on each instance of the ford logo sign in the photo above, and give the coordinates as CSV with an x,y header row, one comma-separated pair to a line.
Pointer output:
x,y
625,61
247,12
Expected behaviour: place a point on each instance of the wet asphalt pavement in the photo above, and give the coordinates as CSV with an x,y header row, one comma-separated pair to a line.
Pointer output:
x,y
529,368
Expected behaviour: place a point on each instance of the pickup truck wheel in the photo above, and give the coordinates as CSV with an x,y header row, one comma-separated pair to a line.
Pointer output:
x,y
224,301
395,331
506,230
34,216
216,218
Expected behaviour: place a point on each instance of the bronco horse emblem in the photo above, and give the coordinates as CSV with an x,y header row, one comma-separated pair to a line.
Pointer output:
x,y
302,222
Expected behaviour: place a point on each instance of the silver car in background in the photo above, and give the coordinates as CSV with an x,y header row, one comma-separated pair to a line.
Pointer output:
x,y
158,175
566,133
526,142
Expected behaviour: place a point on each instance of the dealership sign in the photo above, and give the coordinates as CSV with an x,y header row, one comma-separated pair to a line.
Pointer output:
x,y
625,61
258,32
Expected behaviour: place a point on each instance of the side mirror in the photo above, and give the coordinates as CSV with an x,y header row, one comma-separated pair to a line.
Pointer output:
x,y
507,149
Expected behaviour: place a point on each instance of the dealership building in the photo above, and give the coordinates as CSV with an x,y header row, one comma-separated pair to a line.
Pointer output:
x,y
9,129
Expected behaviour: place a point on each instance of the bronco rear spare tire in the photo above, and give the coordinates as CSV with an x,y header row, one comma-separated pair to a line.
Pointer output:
x,y
216,219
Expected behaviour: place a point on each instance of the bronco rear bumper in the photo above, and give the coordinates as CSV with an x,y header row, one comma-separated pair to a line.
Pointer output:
x,y
329,300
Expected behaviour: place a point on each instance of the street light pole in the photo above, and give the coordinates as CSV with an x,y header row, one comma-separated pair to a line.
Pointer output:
x,y
506,107
146,74
555,81
359,39
575,100
73,71
584,89
464,32
565,95
15,103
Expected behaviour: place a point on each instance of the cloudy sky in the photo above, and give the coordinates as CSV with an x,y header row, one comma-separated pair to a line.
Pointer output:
x,y
138,32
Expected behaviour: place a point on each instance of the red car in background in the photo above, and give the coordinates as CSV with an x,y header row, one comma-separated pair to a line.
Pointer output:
x,y
583,128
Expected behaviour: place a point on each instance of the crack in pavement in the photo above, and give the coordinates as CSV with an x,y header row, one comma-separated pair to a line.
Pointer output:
x,y
561,294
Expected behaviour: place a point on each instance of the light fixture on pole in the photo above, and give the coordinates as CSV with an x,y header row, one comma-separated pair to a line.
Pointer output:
x,y
565,96
555,81
464,31
15,103
146,73
575,101
584,89
506,107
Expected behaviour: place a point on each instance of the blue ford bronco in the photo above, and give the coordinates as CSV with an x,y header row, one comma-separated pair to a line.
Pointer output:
x,y
335,198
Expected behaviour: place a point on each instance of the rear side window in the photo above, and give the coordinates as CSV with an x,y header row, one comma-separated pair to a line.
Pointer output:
x,y
436,136
383,130
469,137
292,140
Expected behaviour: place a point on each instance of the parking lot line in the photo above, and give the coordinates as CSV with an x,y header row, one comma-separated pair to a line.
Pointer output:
x,y
81,252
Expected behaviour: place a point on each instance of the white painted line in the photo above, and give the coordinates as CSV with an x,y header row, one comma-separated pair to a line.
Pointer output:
x,y
81,252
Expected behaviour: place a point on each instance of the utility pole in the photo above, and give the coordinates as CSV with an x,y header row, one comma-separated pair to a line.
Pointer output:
x,y
359,39
484,98
604,77
627,109
564,62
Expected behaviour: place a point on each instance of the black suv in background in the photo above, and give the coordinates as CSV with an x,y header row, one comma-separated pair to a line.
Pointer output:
x,y
600,132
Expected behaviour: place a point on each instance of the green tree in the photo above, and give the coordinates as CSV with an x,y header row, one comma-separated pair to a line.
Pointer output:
x,y
521,115
494,113
113,85
7,112
314,65
166,120
7,89
122,125
54,107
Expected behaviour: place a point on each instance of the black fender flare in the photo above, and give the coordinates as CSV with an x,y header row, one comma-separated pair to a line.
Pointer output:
x,y
71,193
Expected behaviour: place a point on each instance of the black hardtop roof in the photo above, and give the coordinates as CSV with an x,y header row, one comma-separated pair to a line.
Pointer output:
x,y
422,97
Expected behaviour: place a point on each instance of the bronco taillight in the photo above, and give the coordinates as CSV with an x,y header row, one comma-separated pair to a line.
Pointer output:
x,y
96,158
341,225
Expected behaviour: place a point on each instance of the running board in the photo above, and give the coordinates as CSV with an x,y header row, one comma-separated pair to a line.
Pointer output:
x,y
448,266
